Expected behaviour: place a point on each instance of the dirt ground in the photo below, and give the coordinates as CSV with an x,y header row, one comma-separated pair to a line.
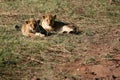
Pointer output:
x,y
94,54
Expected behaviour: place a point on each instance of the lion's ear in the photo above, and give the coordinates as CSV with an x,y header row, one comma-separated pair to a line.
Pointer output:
x,y
27,22
43,16
54,16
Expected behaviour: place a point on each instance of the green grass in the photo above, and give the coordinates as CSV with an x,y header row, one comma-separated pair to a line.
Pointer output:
x,y
22,58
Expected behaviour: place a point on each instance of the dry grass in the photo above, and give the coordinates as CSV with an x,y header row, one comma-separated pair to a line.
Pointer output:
x,y
56,57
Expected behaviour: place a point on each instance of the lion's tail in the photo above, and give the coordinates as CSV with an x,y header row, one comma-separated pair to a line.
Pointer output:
x,y
18,28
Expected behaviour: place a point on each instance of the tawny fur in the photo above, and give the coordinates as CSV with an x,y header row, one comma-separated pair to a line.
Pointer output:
x,y
48,23
29,28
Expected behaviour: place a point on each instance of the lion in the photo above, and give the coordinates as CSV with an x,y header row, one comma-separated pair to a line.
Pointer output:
x,y
29,28
49,24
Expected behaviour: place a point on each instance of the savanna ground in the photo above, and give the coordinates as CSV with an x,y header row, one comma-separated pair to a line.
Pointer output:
x,y
94,54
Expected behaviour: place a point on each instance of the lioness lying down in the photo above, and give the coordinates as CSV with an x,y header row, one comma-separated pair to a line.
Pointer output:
x,y
30,28
48,23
